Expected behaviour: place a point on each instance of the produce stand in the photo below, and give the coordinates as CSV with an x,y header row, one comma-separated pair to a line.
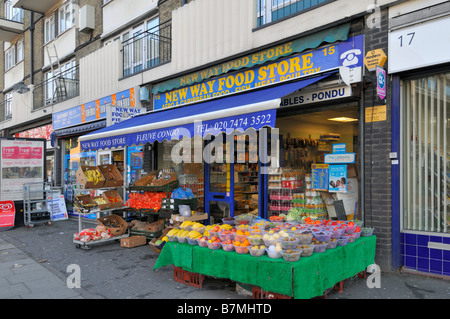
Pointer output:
x,y
87,245
306,278
95,210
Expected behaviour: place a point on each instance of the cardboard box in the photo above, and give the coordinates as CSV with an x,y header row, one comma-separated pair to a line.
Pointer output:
x,y
116,225
166,179
107,204
147,179
133,241
179,218
154,227
113,177
157,249
85,201
115,195
83,180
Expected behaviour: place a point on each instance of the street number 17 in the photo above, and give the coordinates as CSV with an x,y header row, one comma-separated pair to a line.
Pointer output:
x,y
411,37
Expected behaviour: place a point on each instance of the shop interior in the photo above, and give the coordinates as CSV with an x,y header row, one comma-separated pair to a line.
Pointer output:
x,y
306,136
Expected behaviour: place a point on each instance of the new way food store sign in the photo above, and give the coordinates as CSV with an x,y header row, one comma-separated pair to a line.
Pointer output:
x,y
331,57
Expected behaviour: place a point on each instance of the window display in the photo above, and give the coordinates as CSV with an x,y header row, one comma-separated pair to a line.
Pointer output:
x,y
426,169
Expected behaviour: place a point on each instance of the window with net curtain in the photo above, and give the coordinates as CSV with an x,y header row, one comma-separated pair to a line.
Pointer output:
x,y
426,149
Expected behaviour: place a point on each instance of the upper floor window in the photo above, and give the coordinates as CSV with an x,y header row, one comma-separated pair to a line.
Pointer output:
x,y
11,13
14,55
60,21
8,105
142,46
273,10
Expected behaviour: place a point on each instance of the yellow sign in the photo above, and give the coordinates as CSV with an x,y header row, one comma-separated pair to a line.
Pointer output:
x,y
374,58
376,114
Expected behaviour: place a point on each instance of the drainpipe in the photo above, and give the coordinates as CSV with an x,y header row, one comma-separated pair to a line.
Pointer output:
x,y
32,45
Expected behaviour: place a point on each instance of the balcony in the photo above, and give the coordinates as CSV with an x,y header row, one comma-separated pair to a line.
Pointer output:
x,y
41,6
59,88
11,23
148,49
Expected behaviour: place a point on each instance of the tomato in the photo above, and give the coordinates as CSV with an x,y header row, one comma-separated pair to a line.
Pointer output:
x,y
146,200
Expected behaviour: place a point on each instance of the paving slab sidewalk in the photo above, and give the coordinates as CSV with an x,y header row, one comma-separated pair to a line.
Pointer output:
x,y
21,277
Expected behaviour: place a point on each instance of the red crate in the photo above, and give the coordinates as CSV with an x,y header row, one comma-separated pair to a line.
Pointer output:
x,y
258,293
188,278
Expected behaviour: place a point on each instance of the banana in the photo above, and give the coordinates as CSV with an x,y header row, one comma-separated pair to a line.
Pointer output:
x,y
173,232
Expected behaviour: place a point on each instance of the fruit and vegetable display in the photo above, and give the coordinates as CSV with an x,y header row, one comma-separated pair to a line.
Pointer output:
x,y
146,200
100,201
287,240
93,175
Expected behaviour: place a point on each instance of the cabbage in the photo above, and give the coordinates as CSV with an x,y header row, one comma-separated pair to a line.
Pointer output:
x,y
294,214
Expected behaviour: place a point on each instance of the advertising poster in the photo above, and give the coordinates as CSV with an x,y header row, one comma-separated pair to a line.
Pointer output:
x,y
57,205
22,162
7,214
338,178
319,177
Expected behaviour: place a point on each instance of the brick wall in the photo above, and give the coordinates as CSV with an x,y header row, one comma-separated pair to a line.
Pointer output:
x,y
377,146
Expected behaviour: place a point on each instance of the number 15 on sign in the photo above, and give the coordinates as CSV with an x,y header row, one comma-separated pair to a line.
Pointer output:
x,y
381,83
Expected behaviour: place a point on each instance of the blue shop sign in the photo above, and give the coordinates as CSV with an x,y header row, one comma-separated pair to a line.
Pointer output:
x,y
330,57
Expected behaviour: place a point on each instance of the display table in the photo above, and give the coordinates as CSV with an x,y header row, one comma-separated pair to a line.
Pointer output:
x,y
307,278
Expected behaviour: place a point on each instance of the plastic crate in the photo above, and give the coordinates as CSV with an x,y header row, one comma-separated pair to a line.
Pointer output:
x,y
258,293
188,278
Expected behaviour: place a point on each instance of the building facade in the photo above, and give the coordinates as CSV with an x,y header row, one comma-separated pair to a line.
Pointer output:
x,y
315,61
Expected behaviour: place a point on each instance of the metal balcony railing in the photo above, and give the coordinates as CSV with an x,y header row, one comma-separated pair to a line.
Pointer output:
x,y
61,87
148,49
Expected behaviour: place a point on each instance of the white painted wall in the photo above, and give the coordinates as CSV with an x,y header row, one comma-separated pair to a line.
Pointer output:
x,y
14,75
411,6
205,31
65,45
117,14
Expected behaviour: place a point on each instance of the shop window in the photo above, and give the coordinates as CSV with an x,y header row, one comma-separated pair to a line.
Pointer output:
x,y
74,157
426,149
273,10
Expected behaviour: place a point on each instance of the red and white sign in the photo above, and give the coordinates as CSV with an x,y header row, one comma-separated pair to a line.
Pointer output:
x,y
39,132
7,214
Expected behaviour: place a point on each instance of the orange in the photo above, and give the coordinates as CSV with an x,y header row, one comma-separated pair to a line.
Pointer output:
x,y
245,243
236,243
239,232
246,233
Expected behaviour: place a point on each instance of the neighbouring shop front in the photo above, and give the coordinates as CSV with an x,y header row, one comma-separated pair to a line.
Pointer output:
x,y
421,111
271,133
70,124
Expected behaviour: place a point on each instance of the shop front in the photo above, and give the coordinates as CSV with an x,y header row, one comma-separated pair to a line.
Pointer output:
x,y
421,138
277,138
70,124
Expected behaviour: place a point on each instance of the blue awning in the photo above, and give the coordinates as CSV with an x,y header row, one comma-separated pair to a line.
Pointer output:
x,y
254,109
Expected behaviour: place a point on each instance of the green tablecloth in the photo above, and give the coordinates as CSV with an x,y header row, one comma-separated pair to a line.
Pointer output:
x,y
307,278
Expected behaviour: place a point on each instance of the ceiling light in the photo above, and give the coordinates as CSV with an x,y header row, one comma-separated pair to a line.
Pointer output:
x,y
343,119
